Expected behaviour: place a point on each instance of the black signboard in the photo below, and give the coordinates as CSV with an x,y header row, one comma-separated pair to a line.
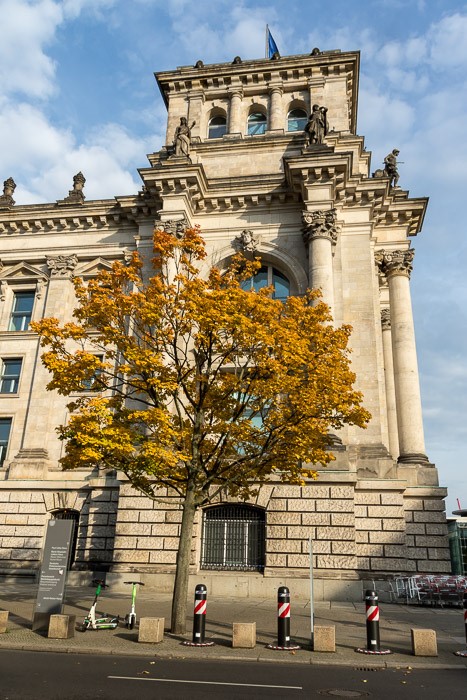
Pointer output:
x,y
53,572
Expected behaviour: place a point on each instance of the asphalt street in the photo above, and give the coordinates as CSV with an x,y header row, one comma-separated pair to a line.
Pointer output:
x,y
40,676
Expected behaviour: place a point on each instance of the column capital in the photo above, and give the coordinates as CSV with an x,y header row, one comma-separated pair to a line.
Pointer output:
x,y
386,319
320,224
176,227
235,92
395,262
275,88
62,265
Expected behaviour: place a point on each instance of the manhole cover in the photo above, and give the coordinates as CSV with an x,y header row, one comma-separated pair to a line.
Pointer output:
x,y
339,693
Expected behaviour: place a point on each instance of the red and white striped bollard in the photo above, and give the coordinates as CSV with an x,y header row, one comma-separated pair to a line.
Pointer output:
x,y
372,626
283,621
199,618
464,653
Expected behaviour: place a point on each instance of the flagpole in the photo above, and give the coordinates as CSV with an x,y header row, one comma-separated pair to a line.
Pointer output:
x,y
266,43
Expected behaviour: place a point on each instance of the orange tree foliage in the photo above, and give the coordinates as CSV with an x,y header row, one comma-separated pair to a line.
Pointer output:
x,y
198,385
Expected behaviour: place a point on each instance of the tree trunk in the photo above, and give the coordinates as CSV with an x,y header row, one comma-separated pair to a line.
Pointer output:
x,y
178,621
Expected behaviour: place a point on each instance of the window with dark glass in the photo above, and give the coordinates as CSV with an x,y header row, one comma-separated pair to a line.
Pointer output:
x,y
233,538
296,120
23,303
10,372
217,127
5,428
257,124
90,384
268,276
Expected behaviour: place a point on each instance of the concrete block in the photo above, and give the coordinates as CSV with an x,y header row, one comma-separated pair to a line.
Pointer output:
x,y
151,629
3,620
324,638
424,642
61,626
244,635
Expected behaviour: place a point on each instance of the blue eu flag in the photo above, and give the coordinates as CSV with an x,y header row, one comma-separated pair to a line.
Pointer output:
x,y
270,44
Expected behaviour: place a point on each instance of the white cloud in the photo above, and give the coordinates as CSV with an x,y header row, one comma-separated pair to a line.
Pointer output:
x,y
25,30
447,41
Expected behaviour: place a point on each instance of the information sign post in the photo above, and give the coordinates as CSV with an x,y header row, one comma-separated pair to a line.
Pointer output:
x,y
53,572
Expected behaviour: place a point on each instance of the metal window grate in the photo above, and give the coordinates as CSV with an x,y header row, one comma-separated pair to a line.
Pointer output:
x,y
233,538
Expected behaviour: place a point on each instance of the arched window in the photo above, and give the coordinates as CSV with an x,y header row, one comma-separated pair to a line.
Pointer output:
x,y
268,276
296,120
217,127
256,124
69,514
233,538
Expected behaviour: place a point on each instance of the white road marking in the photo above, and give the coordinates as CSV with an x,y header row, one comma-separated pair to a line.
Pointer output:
x,y
175,680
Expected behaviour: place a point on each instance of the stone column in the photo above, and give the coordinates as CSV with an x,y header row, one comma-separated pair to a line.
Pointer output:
x,y
397,266
276,118
389,383
320,235
235,111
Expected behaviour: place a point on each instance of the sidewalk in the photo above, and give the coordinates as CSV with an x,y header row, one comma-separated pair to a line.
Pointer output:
x,y
348,618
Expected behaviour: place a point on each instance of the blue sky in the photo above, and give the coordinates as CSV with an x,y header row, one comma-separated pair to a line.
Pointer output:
x,y
77,92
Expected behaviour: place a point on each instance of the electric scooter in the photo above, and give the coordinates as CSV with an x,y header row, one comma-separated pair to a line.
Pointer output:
x,y
98,623
130,619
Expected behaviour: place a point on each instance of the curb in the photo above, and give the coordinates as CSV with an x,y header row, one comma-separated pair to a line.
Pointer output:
x,y
322,660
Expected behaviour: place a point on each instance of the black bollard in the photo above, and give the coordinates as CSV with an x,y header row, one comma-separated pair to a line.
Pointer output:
x,y
283,621
199,618
372,625
372,621
464,653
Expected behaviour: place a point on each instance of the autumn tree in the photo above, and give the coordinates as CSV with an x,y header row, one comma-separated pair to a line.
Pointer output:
x,y
199,384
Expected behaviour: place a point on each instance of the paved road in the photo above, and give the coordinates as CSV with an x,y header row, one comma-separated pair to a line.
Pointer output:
x,y
40,676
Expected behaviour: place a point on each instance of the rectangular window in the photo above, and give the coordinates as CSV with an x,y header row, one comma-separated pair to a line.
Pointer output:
x,y
21,312
5,427
9,379
90,384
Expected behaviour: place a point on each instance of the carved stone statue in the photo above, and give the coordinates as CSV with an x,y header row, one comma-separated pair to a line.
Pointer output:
x,y
76,195
390,167
182,138
9,187
317,126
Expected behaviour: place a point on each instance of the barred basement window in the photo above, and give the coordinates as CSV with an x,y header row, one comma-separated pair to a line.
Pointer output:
x,y
233,538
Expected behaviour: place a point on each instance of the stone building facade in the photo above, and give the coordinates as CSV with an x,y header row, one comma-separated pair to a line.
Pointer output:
x,y
244,169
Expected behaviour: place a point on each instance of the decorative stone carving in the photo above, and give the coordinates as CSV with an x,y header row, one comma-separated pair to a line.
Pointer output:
x,y
76,195
395,262
317,126
62,265
174,227
386,319
236,60
3,289
246,242
6,199
390,167
182,139
40,285
320,224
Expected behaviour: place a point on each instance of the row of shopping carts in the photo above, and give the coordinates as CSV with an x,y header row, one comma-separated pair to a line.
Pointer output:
x,y
439,589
